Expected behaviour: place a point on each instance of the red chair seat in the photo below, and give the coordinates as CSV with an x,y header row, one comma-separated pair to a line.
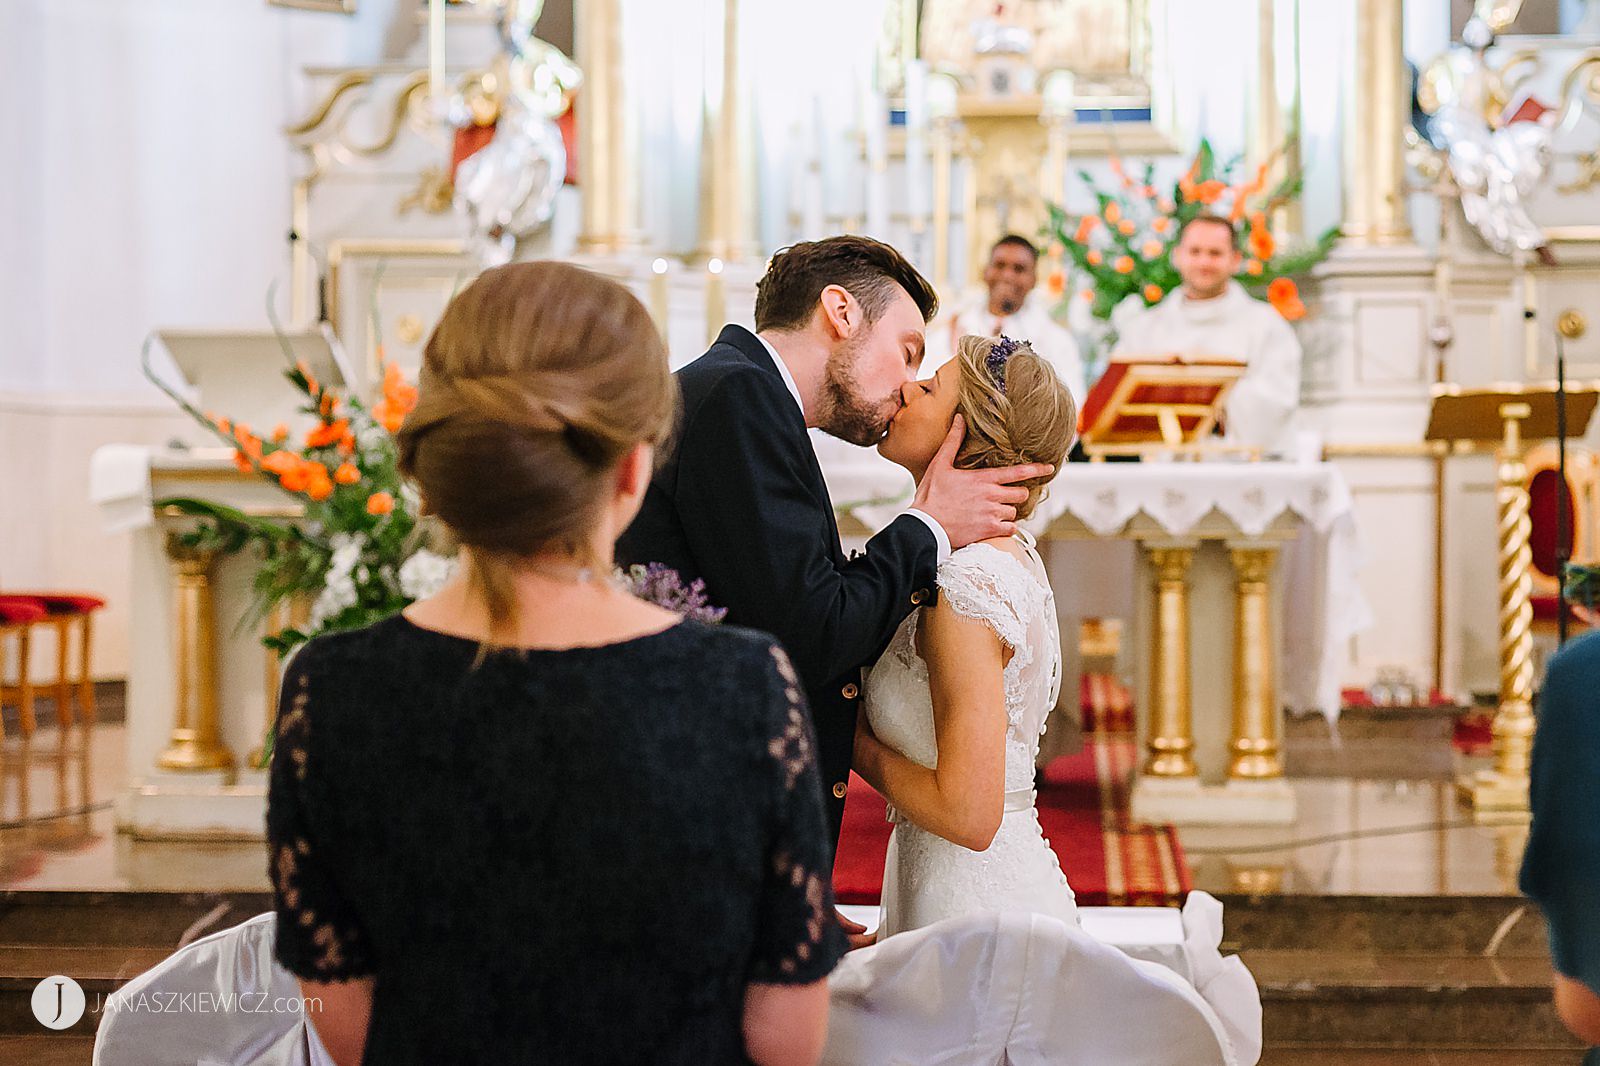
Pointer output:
x,y
1548,609
64,602
16,610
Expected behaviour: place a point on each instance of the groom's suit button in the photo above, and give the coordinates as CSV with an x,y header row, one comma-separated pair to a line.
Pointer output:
x,y
838,790
919,597
850,691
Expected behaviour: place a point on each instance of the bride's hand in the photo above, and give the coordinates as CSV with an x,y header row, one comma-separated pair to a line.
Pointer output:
x,y
866,740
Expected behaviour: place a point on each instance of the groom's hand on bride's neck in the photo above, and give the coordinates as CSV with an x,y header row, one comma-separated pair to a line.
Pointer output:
x,y
973,505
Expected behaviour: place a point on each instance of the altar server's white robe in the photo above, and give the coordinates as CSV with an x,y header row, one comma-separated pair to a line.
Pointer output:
x,y
1032,324
1260,409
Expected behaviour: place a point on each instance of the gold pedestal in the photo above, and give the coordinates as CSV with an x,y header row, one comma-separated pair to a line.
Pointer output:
x,y
1255,743
1171,740
1505,788
196,744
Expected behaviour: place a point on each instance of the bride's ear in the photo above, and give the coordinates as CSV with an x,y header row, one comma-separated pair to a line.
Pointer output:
x,y
633,473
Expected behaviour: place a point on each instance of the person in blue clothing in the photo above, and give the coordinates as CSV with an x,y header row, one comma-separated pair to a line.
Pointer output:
x,y
1561,867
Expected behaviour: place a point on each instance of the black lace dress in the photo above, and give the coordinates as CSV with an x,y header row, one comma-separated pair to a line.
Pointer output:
x,y
557,856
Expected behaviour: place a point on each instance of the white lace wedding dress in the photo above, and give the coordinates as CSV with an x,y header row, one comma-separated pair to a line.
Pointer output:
x,y
927,878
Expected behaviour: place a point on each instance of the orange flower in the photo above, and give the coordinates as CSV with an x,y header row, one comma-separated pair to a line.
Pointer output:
x,y
1121,175
280,433
327,434
347,474
222,425
1153,293
1262,245
1284,296
305,372
1055,250
1161,225
1167,206
1258,220
380,503
295,479
1253,267
1056,283
347,445
1123,265
318,485
1113,213
242,461
1148,191
330,403
1126,227
1152,249
1085,294
1094,258
1086,226
1209,192
280,462
399,398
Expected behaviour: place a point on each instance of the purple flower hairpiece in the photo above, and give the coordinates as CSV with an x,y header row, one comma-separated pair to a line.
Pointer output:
x,y
998,356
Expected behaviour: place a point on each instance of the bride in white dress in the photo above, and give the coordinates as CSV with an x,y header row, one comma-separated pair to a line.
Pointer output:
x,y
956,705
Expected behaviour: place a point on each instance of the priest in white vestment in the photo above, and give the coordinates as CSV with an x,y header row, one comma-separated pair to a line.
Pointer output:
x,y
1211,314
1008,305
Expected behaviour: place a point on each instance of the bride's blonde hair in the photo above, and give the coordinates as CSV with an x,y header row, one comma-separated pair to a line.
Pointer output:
x,y
1016,409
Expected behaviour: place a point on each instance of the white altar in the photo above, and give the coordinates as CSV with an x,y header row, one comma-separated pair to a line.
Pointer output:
x,y
1213,682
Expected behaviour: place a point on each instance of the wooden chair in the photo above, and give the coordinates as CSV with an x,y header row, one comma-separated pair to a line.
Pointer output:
x,y
65,612
1583,493
18,617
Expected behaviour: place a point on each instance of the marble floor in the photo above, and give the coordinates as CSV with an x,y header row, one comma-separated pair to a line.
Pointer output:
x,y
1356,835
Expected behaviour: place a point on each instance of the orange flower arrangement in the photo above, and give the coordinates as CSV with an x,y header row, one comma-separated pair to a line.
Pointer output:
x,y
1056,283
380,503
1124,247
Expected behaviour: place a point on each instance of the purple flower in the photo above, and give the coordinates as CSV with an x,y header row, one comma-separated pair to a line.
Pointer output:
x,y
996,360
663,586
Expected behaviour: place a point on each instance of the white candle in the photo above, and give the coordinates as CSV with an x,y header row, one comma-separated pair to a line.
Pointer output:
x,y
716,300
658,295
436,50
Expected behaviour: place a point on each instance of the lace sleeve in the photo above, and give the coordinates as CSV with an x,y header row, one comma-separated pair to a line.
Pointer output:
x,y
797,940
975,585
319,936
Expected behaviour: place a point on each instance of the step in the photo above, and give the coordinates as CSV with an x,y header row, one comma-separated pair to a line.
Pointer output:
x,y
137,919
1448,925
1327,1055
54,1049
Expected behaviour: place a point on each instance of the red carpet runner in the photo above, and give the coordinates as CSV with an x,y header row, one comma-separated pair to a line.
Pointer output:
x,y
1083,808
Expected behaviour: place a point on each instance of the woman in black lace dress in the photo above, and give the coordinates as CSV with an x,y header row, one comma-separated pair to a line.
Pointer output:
x,y
533,819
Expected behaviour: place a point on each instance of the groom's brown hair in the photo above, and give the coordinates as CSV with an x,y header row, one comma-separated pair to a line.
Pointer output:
x,y
869,270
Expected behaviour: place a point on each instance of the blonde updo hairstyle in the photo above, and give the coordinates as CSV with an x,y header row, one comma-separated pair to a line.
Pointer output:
x,y
1028,417
538,380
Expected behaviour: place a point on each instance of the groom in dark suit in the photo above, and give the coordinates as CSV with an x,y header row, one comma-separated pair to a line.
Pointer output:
x,y
741,502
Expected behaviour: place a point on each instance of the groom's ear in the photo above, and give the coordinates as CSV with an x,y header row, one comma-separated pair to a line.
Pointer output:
x,y
841,314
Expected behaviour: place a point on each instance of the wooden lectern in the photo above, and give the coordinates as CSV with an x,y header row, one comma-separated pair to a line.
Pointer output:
x,y
1511,415
1157,403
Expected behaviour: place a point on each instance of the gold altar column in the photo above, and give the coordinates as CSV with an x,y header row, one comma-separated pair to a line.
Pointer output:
x,y
1505,788
1255,743
1275,106
725,201
196,744
605,175
1171,740
1377,113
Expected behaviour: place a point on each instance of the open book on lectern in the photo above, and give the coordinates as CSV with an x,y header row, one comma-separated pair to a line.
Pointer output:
x,y
1147,402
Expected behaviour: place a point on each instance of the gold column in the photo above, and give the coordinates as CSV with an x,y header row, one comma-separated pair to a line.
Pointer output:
x,y
1505,788
196,744
1378,107
1171,740
1275,114
602,127
1255,742
725,195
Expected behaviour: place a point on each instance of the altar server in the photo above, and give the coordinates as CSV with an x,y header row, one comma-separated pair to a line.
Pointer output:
x,y
1007,305
1211,314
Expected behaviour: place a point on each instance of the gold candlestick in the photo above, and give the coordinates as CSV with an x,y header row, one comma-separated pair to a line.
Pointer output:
x,y
716,300
1171,741
1255,742
196,744
1505,788
658,295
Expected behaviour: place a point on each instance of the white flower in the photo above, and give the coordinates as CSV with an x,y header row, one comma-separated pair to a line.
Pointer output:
x,y
425,573
338,586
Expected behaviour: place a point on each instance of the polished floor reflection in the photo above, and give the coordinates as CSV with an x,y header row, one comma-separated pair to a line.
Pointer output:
x,y
1373,834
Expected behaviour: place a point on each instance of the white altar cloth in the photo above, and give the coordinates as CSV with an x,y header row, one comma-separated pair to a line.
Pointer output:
x,y
1323,606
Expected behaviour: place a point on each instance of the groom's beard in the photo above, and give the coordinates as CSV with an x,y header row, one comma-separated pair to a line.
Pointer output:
x,y
847,414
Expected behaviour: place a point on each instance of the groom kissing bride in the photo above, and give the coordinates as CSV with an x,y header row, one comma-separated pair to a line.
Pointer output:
x,y
951,594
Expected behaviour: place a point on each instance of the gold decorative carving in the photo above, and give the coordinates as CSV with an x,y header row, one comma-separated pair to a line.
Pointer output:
x,y
1171,742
